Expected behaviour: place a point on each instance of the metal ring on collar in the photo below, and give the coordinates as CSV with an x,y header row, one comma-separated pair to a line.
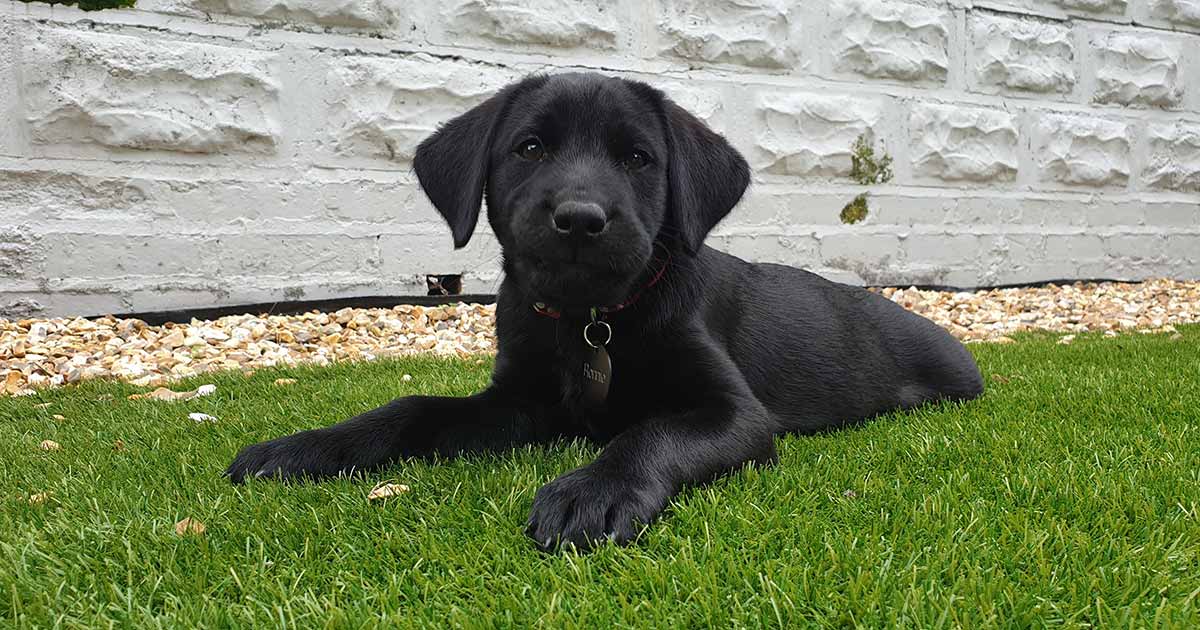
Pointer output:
x,y
588,340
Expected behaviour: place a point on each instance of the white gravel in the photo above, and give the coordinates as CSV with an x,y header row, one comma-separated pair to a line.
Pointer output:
x,y
37,353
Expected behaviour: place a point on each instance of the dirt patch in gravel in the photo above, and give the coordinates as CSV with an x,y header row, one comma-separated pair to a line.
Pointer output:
x,y
36,353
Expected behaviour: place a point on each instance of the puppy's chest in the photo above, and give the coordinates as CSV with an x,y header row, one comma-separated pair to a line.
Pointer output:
x,y
624,377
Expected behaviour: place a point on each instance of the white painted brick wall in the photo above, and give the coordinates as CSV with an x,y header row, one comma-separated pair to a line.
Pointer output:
x,y
210,152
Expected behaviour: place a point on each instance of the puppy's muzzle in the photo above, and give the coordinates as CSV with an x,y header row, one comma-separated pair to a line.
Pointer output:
x,y
579,220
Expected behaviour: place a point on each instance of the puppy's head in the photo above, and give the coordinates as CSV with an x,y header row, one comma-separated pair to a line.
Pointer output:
x,y
582,174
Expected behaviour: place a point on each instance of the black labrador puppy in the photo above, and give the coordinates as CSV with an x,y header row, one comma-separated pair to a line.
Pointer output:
x,y
615,322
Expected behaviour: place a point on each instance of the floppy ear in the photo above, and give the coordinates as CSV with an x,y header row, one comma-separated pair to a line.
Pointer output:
x,y
706,176
452,165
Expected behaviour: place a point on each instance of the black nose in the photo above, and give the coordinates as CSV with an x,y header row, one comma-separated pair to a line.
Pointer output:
x,y
579,218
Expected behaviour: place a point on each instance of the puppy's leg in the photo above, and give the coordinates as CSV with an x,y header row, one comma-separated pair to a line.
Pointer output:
x,y
638,473
406,427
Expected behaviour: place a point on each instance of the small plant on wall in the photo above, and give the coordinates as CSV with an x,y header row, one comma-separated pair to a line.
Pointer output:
x,y
866,167
91,5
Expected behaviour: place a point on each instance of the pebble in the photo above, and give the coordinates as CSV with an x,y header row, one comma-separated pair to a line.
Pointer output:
x,y
36,354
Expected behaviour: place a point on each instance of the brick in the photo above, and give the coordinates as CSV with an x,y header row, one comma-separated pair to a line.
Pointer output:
x,y
891,40
19,252
348,203
43,194
1173,161
418,254
233,202
18,305
586,23
1055,212
988,210
372,202
1183,13
811,208
784,205
1074,247
1105,9
1021,54
942,249
705,102
1135,246
854,250
950,277
1082,150
759,33
1094,7
1121,269
963,144
1182,247
1027,211
91,256
1173,214
901,209
761,208
164,296
338,13
1103,212
797,251
140,93
12,130
842,276
384,108
296,255
1136,69
1021,249
811,135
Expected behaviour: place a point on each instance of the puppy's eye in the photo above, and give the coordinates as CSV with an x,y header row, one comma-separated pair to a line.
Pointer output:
x,y
531,149
635,161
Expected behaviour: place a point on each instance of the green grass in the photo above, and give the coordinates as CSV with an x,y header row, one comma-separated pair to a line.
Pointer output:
x,y
1068,496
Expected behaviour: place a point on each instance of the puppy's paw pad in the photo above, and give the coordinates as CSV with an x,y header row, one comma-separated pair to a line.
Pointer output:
x,y
586,508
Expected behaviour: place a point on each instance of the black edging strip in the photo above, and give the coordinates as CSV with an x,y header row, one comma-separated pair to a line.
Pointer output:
x,y
182,316
1015,285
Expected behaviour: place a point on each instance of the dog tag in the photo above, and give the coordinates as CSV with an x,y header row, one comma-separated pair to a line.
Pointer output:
x,y
597,374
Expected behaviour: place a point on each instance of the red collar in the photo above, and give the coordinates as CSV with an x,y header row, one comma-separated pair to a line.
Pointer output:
x,y
541,308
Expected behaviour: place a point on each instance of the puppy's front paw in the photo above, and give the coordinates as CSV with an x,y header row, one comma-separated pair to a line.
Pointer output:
x,y
588,506
308,454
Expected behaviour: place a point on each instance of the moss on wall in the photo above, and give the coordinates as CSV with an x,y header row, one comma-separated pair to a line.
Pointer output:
x,y
856,210
866,167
